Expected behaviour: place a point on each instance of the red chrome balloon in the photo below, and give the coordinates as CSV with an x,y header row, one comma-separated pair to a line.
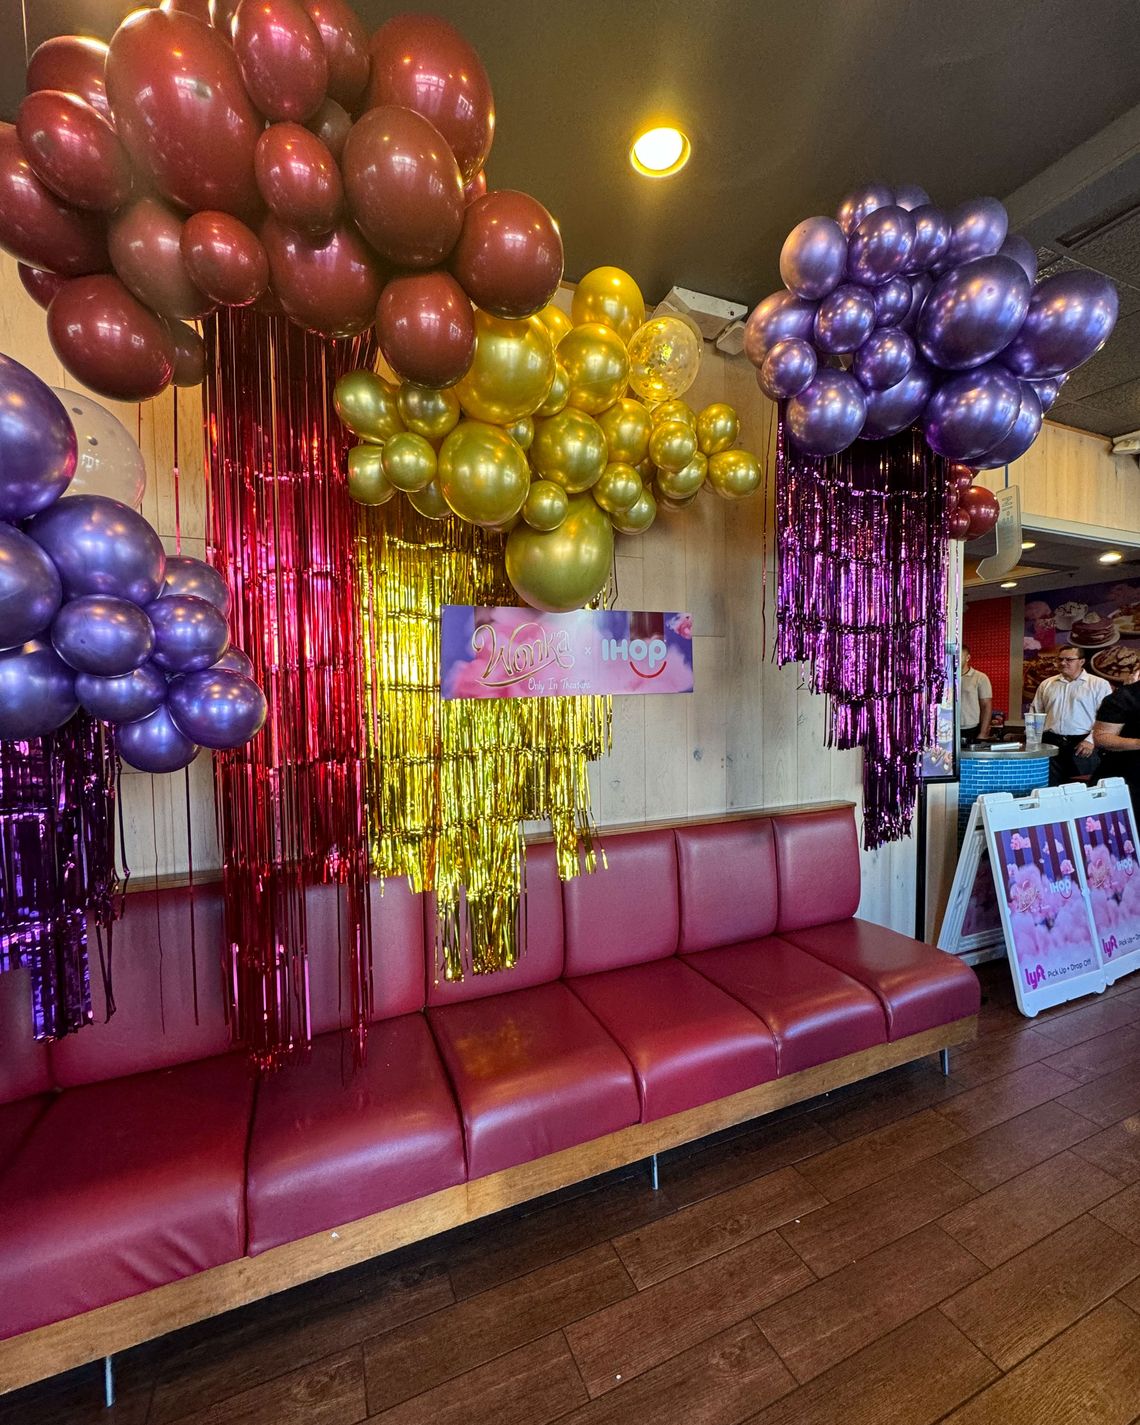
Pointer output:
x,y
509,254
225,259
74,150
189,355
959,524
145,242
346,46
331,124
281,57
982,508
182,111
426,328
327,285
74,64
425,64
110,341
475,188
40,286
200,9
36,226
298,178
403,186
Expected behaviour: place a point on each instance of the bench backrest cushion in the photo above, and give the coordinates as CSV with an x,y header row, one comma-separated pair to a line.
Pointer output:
x,y
629,912
397,915
727,875
817,865
25,1065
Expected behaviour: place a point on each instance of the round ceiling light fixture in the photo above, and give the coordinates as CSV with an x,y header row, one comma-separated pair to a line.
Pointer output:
x,y
1112,556
1010,584
660,152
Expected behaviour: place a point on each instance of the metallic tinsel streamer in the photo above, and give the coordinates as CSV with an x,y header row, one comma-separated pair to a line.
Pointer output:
x,y
291,809
57,867
860,597
450,784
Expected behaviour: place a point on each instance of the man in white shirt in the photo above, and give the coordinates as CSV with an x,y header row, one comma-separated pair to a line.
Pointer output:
x,y
1069,700
977,701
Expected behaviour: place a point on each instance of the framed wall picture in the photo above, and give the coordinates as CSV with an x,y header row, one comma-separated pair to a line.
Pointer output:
x,y
940,759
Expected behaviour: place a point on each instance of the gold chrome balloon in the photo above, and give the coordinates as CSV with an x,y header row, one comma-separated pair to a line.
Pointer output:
x,y
664,358
366,403
569,449
626,426
367,483
408,461
555,320
718,426
428,412
672,445
734,474
675,411
512,370
430,502
597,364
618,489
671,506
684,483
546,505
522,432
566,567
483,474
559,391
610,296
638,518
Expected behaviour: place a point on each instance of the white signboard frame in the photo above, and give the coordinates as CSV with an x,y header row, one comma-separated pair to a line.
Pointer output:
x,y
1105,826
971,892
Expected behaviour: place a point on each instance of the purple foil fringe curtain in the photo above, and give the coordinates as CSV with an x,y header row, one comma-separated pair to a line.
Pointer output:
x,y
57,868
860,596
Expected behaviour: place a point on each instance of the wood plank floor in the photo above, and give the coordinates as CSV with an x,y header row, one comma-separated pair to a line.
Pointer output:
x,y
912,1249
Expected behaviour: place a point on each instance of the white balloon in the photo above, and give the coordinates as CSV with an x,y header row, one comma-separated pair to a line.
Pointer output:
x,y
110,461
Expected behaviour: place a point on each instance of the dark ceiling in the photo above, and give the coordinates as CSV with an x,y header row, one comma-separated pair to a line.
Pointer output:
x,y
788,103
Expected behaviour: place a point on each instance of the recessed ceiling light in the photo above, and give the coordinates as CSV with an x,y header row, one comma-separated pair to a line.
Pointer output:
x,y
1111,556
1029,544
1010,584
659,152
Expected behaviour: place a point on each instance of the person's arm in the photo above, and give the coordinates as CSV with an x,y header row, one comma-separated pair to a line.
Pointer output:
x,y
986,707
1038,703
1106,736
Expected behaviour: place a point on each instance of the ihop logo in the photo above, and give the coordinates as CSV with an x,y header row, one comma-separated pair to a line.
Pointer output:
x,y
650,652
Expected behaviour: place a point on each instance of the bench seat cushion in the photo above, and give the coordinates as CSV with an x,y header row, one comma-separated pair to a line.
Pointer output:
x,y
331,1143
815,1012
918,986
688,1041
534,1072
122,1186
16,1122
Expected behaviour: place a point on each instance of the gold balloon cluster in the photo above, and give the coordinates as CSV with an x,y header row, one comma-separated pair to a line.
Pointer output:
x,y
563,430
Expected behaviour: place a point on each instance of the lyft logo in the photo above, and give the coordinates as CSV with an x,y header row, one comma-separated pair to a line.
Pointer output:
x,y
1035,976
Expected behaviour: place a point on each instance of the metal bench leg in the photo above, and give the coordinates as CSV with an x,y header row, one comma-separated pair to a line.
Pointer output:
x,y
108,1381
654,1181
944,1060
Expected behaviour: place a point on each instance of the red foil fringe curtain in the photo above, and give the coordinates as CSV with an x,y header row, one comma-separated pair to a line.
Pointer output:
x,y
291,804
57,868
860,596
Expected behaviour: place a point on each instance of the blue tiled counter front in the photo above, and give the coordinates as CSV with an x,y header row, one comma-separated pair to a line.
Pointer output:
x,y
1018,773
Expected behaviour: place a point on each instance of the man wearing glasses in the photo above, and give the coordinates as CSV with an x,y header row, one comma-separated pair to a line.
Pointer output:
x,y
1069,700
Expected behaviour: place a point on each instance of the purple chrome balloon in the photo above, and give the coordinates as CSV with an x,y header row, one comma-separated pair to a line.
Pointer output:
x,y
932,233
217,708
862,201
899,406
980,227
1071,316
845,319
95,634
1022,434
813,258
189,633
970,413
101,546
787,368
1022,253
38,448
155,744
920,285
781,315
881,245
30,591
37,691
884,359
197,578
1048,388
127,698
973,312
911,196
236,661
892,301
827,415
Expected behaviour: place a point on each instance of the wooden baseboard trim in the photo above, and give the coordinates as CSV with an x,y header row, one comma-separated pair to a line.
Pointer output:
x,y
110,1329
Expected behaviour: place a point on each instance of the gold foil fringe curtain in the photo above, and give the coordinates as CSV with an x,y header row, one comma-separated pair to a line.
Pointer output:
x,y
450,784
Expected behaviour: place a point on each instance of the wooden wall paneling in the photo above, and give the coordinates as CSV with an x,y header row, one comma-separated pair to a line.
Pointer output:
x,y
1073,476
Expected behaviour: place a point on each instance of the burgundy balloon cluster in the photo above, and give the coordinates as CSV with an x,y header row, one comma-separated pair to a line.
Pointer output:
x,y
971,510
897,313
264,152
94,615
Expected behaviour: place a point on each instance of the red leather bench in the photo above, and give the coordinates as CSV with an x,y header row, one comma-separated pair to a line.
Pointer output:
x,y
712,972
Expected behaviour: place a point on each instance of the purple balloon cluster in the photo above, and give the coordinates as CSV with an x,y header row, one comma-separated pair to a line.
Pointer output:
x,y
94,615
895,312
